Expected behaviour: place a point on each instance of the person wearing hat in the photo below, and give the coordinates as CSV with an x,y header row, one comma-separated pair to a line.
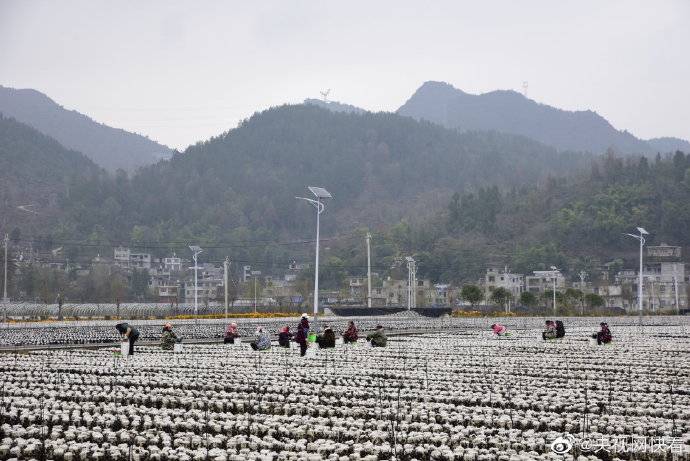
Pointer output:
x,y
327,339
377,338
302,333
284,337
169,338
304,322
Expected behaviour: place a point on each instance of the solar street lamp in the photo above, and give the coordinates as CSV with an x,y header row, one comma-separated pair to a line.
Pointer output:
x,y
320,193
555,274
641,239
195,252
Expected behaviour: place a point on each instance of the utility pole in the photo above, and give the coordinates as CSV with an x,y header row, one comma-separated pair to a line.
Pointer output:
x,y
255,294
368,269
411,283
226,265
583,274
675,286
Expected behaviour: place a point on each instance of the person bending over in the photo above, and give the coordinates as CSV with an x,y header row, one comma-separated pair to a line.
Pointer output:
x,y
603,336
550,330
128,333
284,337
327,339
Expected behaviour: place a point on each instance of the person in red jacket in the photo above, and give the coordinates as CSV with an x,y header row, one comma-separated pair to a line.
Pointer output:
x,y
350,335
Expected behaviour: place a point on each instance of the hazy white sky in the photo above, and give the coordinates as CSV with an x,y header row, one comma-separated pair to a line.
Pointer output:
x,y
182,71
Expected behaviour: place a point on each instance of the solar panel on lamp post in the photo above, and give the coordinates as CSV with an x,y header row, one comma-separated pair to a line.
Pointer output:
x,y
320,193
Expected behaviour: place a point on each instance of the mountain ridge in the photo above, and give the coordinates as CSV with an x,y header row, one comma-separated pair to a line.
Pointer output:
x,y
111,148
508,111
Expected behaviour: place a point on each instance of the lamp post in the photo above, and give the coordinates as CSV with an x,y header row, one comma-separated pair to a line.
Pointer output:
x,y
641,239
195,252
555,274
4,285
226,264
320,193
368,270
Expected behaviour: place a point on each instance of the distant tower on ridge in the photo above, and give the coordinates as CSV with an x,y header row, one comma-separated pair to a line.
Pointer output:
x,y
524,88
325,94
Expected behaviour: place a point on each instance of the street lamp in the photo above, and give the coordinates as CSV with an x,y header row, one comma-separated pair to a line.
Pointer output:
x,y
640,237
320,193
195,251
555,273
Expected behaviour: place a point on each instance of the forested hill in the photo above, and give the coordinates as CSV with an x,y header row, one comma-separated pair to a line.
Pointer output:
x,y
111,148
576,223
511,112
334,106
379,167
35,175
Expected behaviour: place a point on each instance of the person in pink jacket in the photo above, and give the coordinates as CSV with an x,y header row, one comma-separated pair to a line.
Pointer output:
x,y
498,329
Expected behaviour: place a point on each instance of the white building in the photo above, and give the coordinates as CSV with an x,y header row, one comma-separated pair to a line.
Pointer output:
x,y
513,283
541,281
140,260
125,258
663,285
121,256
173,263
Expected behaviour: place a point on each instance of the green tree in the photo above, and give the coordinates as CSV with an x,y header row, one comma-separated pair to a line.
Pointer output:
x,y
501,296
472,294
528,299
593,300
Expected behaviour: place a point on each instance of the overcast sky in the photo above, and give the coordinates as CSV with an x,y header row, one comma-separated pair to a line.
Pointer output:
x,y
182,71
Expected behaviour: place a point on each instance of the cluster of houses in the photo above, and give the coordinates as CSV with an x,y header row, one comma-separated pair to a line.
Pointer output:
x,y
171,280
664,282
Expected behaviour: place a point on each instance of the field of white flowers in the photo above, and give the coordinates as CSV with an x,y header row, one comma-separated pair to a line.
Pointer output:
x,y
453,392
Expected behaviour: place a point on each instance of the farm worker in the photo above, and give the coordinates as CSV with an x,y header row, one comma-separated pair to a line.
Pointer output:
x,y
498,329
128,333
350,335
230,334
168,338
327,339
560,329
284,337
301,337
603,336
304,322
261,342
377,338
550,331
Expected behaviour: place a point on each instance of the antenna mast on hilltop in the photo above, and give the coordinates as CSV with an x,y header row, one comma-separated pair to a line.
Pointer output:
x,y
524,88
325,94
